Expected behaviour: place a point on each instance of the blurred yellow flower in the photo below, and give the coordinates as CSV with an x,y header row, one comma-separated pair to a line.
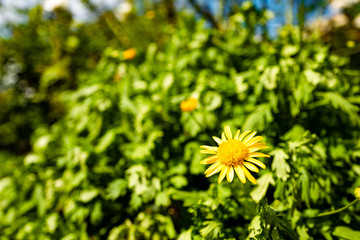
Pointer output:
x,y
129,53
150,14
235,153
357,193
188,105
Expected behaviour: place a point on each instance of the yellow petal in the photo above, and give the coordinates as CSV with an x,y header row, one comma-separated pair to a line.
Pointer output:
x,y
240,173
248,174
258,154
214,171
257,146
254,149
243,135
208,151
209,160
209,148
223,138
237,134
228,132
254,140
217,140
257,162
212,167
249,137
230,175
251,167
223,174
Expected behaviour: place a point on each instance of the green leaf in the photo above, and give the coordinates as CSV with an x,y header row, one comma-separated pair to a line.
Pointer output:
x,y
313,77
39,198
304,181
88,195
263,183
169,228
96,213
52,222
179,181
168,82
212,100
279,164
346,233
212,229
259,118
302,231
289,50
32,158
186,235
255,228
116,189
268,78
105,141
162,199
115,233
339,102
135,201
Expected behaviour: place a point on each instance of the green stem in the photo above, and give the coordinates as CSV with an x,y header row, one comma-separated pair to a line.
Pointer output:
x,y
337,210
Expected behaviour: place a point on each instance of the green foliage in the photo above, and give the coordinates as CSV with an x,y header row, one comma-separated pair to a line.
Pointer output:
x,y
107,152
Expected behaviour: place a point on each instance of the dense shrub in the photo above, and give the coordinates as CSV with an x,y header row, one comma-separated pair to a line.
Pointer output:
x,y
121,159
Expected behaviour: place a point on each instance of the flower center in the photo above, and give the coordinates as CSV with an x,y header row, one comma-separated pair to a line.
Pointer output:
x,y
232,152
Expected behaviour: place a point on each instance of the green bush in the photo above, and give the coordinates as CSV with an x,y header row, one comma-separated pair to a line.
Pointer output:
x,y
122,161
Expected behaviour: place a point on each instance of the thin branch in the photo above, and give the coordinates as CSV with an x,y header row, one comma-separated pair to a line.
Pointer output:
x,y
205,13
171,12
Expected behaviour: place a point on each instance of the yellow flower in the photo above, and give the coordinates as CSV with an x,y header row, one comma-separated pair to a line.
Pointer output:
x,y
150,14
357,193
129,54
188,105
237,154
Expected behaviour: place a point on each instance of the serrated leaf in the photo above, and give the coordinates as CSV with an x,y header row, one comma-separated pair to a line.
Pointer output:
x,y
259,118
279,164
212,229
339,102
268,78
255,228
313,77
263,183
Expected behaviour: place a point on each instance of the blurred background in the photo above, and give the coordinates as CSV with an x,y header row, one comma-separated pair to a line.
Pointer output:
x,y
94,143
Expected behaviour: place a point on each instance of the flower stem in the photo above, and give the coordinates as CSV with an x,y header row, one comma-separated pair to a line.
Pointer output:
x,y
337,210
